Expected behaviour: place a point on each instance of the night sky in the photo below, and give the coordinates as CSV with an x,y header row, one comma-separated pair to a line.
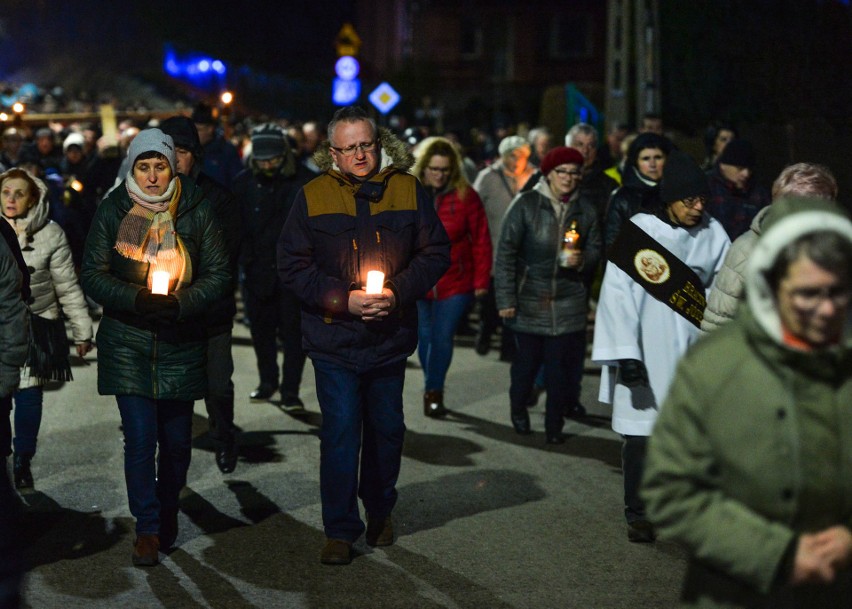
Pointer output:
x,y
295,38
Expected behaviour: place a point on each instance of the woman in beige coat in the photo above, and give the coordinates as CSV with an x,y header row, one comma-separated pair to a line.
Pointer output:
x,y
55,293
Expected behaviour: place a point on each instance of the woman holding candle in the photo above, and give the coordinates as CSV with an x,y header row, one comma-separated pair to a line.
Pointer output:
x,y
540,287
439,168
152,346
55,292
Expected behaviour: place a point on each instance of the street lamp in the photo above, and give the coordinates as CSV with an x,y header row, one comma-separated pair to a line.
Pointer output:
x,y
227,97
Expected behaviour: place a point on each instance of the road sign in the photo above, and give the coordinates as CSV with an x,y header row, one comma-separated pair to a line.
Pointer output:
x,y
347,67
384,98
347,42
345,92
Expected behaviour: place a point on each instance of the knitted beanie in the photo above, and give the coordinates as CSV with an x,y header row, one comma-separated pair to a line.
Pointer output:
x,y
739,153
153,140
268,141
561,155
682,179
183,132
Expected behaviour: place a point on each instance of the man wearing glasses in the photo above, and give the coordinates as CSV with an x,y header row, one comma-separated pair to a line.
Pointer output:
x,y
652,300
364,213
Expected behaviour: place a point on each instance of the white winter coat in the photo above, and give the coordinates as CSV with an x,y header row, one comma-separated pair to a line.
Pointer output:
x,y
53,280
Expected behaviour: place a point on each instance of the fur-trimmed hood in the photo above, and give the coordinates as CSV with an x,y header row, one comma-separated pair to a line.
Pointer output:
x,y
791,218
38,214
394,153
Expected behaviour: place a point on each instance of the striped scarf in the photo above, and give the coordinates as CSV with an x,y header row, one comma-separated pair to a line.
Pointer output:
x,y
147,234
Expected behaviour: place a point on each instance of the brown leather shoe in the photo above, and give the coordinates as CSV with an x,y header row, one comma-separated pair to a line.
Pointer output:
x,y
145,550
379,531
336,552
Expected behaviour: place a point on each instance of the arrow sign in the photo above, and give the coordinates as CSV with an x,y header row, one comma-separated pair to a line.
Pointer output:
x,y
384,98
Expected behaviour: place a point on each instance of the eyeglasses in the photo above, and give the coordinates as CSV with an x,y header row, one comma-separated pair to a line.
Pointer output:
x,y
691,202
439,169
566,172
808,299
350,150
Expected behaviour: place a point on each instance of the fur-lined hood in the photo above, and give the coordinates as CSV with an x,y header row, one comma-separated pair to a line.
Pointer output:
x,y
38,214
394,153
790,218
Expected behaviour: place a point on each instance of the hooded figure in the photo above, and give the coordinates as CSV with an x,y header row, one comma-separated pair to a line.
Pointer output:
x,y
55,293
750,466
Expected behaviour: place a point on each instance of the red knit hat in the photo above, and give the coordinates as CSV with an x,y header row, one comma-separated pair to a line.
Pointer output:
x,y
560,155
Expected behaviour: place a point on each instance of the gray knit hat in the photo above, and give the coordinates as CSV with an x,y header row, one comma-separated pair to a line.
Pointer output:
x,y
153,140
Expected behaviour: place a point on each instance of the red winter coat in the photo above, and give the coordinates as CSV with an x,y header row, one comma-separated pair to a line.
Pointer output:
x,y
470,253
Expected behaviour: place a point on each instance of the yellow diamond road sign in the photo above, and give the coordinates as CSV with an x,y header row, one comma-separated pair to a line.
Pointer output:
x,y
384,98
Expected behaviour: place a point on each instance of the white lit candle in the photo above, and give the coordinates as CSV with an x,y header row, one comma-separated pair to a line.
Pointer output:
x,y
375,282
160,282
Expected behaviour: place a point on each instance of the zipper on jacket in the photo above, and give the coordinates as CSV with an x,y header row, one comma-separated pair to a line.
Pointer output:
x,y
553,279
378,237
154,368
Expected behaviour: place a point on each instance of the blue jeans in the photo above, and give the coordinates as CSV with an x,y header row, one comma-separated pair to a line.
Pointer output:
x,y
436,324
28,407
148,423
358,405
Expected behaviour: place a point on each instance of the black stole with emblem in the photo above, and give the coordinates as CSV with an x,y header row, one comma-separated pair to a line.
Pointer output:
x,y
662,274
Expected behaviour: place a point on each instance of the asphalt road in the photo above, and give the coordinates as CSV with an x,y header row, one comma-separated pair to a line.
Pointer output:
x,y
486,518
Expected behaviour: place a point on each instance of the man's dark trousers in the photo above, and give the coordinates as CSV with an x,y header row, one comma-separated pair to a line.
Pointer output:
x,y
277,316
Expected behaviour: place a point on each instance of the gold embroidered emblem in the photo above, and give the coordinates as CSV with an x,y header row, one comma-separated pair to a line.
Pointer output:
x,y
651,266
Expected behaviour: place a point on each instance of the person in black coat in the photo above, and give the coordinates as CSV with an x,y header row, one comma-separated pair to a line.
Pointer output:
x,y
14,291
265,191
640,190
219,317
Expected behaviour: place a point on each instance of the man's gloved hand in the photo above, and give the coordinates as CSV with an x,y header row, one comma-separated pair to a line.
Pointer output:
x,y
157,308
633,373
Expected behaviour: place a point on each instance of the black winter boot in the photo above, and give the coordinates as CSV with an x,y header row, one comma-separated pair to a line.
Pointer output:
x,y
21,470
433,404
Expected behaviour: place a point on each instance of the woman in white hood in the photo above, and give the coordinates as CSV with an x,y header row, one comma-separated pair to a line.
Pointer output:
x,y
55,292
750,462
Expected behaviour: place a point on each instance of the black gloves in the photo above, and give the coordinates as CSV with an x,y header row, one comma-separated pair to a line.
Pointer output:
x,y
157,308
633,373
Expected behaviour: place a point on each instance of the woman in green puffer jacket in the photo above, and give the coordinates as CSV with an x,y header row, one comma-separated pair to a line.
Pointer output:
x,y
750,462
152,347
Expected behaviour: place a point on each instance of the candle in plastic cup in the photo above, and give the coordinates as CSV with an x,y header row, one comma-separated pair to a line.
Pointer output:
x,y
160,283
375,282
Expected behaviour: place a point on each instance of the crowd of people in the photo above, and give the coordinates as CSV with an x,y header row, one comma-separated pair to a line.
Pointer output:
x,y
727,366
